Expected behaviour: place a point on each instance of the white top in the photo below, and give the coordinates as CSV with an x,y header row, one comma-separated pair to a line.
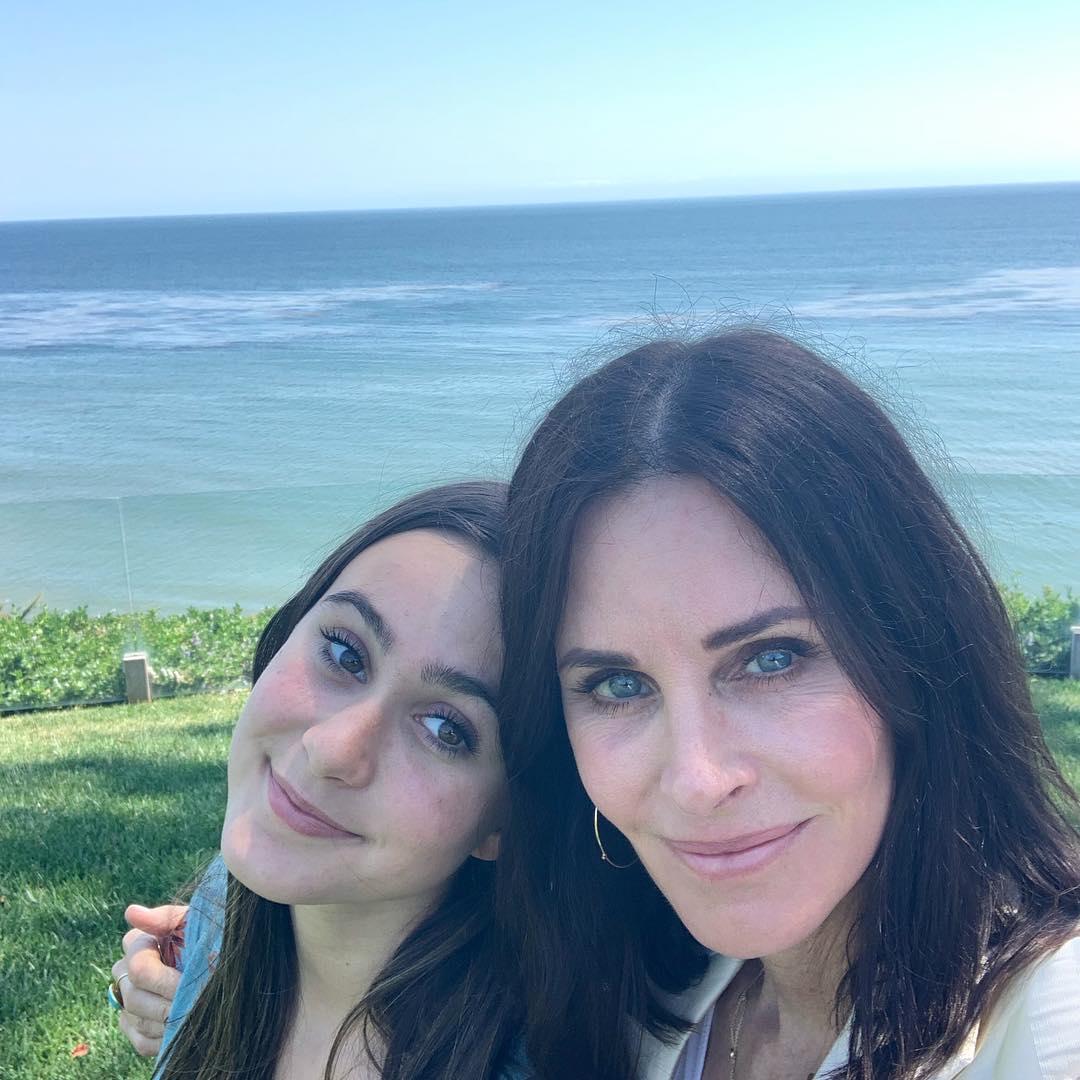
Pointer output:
x,y
1032,1033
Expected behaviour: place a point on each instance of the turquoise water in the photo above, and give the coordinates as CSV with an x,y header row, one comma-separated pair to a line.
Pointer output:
x,y
238,391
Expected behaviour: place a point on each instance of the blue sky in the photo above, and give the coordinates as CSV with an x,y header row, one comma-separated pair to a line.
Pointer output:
x,y
112,108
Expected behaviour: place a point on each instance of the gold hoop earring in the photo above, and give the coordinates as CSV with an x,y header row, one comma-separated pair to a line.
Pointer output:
x,y
600,843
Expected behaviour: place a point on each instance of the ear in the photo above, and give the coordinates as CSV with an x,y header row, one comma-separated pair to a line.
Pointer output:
x,y
488,848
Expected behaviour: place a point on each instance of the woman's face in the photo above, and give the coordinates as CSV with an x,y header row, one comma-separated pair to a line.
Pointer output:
x,y
365,766
710,723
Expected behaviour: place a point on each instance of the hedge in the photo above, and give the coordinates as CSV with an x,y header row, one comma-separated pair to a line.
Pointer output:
x,y
66,657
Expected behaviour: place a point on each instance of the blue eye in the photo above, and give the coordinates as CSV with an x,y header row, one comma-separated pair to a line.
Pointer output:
x,y
620,687
770,661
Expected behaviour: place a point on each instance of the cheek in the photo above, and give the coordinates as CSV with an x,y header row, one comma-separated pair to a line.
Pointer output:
x,y
281,697
847,757
613,766
844,772
818,733
444,810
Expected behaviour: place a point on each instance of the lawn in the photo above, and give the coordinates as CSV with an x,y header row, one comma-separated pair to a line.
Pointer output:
x,y
99,807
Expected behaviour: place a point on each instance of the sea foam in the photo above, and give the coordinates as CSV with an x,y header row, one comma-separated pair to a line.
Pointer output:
x,y
163,319
1044,288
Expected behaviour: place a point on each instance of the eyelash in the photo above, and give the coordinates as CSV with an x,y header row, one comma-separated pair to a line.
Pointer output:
x,y
464,728
590,682
339,636
803,650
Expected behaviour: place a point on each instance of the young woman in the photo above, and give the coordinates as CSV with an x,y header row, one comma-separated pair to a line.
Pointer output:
x,y
737,608
365,799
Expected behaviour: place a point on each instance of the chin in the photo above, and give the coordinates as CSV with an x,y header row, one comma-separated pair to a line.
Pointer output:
x,y
749,942
280,888
248,857
752,928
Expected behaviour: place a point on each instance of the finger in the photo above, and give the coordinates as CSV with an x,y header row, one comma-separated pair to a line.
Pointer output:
x,y
138,939
148,973
139,1001
146,1006
157,921
152,1029
144,1046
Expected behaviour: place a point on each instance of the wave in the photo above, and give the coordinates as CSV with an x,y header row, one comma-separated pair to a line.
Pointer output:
x,y
1047,288
171,319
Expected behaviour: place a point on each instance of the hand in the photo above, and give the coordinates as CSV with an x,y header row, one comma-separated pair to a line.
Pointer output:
x,y
150,984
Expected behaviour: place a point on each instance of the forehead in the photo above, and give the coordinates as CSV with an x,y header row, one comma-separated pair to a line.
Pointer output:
x,y
671,549
437,594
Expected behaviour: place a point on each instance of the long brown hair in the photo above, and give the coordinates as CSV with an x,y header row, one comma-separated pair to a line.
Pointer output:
x,y
977,873
446,1005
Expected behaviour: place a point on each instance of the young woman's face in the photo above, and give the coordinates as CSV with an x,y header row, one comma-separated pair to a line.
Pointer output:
x,y
365,766
710,723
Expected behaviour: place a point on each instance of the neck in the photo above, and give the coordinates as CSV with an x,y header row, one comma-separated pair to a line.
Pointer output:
x,y
341,949
797,997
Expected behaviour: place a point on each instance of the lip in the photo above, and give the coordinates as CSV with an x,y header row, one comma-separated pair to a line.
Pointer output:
x,y
740,854
296,812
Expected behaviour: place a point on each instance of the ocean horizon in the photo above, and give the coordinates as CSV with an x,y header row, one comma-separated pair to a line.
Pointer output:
x,y
192,409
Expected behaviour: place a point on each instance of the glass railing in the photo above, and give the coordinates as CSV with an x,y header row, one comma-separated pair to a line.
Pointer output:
x,y
187,580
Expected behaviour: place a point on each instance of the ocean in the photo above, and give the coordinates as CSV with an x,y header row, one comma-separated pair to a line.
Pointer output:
x,y
193,409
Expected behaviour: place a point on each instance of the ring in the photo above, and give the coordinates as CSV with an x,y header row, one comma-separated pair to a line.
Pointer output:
x,y
115,997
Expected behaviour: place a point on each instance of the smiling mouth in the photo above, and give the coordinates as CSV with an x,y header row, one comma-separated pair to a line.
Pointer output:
x,y
740,855
300,816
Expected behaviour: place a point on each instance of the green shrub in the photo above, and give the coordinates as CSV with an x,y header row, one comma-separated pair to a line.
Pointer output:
x,y
66,657
1043,625
59,658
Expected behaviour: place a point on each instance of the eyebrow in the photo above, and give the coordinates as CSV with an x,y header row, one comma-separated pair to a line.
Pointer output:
x,y
436,674
367,611
763,620
593,658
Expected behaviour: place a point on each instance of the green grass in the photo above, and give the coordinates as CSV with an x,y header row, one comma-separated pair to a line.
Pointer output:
x,y
100,807
1058,702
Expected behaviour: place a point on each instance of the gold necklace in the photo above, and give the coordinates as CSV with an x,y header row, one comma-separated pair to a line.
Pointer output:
x,y
738,1015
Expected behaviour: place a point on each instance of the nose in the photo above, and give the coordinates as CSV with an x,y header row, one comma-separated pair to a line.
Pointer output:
x,y
708,760
345,744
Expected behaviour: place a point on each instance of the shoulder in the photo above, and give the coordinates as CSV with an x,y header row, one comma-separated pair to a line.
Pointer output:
x,y
206,915
202,942
209,896
213,883
1035,1028
659,1059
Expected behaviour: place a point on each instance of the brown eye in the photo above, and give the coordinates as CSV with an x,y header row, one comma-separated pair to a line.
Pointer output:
x,y
449,734
345,656
350,661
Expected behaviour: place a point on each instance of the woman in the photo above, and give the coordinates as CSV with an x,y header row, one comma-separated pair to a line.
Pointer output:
x,y
789,682
737,607
365,797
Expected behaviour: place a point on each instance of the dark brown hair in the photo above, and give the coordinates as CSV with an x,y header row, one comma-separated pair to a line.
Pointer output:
x,y
977,873
445,1006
